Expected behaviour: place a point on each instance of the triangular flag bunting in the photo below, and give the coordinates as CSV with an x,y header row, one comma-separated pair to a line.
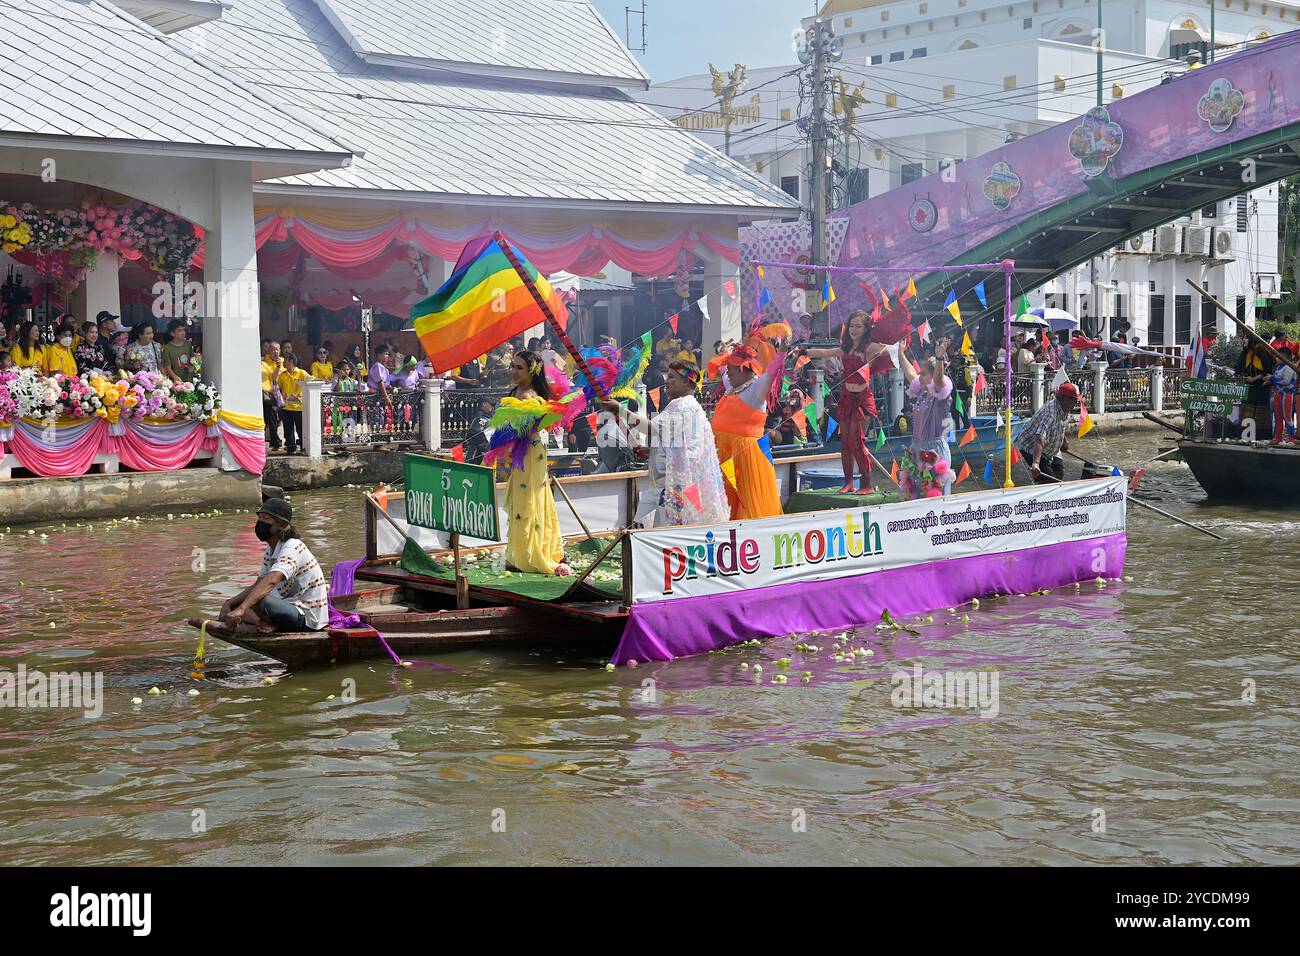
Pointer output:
x,y
910,292
801,361
988,471
831,425
826,392
760,272
592,419
1023,308
1115,472
955,311
655,395
880,438
967,438
981,382
800,418
893,470
828,291
810,409
1085,420
730,287
765,446
1000,421
957,404
692,494
980,294
458,453
1059,379
966,348
884,300
924,331
786,382
964,473
729,472
1015,455
952,297
673,319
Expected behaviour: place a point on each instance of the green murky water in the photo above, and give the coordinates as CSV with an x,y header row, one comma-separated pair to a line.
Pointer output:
x,y
1124,701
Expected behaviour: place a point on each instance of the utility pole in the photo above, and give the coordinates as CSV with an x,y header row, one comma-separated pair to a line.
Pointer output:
x,y
1213,4
1101,43
821,47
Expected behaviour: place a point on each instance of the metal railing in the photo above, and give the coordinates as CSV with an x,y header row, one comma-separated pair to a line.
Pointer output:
x,y
1128,389
1022,393
461,407
363,418
1172,387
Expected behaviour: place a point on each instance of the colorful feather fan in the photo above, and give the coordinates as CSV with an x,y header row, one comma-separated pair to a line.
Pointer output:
x,y
573,400
515,422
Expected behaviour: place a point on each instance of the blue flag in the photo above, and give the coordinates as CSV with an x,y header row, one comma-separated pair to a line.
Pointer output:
x,y
765,446
764,297
979,291
830,427
952,297
1115,472
988,471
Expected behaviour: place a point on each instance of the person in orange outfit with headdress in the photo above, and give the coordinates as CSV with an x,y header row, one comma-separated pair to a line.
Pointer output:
x,y
748,371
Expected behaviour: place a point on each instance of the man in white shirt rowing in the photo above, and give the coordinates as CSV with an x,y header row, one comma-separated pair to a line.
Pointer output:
x,y
290,593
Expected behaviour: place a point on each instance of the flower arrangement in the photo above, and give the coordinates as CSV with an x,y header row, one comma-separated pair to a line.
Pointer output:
x,y
15,233
24,393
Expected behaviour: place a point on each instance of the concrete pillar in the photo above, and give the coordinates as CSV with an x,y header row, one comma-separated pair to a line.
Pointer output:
x,y
1099,387
897,389
431,417
312,423
721,310
1158,388
100,291
1036,392
231,331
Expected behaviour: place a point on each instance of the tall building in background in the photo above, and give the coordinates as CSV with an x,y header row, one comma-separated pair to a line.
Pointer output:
x,y
943,80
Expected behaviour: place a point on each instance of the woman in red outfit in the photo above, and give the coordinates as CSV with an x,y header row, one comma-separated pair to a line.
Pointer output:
x,y
857,406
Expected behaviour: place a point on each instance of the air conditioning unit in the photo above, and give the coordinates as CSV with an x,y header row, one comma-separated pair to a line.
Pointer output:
x,y
1225,245
1169,241
1139,244
1196,241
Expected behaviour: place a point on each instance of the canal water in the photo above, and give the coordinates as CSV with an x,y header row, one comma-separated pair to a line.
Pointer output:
x,y
1155,720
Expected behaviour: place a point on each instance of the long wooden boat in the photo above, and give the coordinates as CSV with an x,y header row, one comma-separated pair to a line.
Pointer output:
x,y
412,626
1244,471
687,590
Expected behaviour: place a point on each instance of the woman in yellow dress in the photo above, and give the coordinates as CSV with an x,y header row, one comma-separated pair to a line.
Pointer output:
x,y
533,542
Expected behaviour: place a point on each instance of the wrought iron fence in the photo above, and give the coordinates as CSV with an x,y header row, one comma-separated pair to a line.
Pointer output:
x,y
1173,387
1022,393
363,418
461,407
1128,389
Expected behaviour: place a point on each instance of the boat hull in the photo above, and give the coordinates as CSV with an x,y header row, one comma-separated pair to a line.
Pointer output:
x,y
1237,472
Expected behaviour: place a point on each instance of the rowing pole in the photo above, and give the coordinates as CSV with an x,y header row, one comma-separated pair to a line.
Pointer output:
x,y
1251,333
1143,504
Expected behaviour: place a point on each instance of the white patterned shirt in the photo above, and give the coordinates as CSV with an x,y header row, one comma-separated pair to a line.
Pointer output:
x,y
304,582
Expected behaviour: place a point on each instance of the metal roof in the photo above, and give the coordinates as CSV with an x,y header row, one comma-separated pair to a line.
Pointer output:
x,y
83,69
450,135
520,38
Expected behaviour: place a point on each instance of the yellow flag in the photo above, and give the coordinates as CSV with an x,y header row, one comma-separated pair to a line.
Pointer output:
x,y
761,273
955,311
729,472
966,347
911,288
1085,420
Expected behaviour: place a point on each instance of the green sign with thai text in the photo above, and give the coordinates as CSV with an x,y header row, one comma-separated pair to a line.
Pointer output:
x,y
1230,393
451,496
1200,403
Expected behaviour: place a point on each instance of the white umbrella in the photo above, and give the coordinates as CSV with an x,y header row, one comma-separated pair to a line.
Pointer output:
x,y
1030,320
1057,318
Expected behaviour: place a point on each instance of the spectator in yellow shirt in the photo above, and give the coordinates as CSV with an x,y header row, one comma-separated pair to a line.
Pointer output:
x,y
58,357
290,384
29,352
322,368
271,367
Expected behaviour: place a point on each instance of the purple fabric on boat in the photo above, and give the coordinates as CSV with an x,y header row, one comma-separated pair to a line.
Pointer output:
x,y
342,581
662,630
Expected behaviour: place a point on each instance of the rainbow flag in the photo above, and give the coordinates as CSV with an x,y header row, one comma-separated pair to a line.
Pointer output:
x,y
480,306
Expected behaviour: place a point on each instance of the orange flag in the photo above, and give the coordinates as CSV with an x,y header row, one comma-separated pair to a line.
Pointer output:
x,y
967,438
801,361
800,418
672,322
458,453
1015,455
654,395
911,289
963,474
893,469
591,421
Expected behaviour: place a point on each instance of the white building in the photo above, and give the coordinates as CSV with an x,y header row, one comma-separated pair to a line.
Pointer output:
x,y
945,80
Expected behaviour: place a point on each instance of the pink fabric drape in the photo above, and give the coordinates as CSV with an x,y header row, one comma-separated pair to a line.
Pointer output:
x,y
139,453
50,462
248,451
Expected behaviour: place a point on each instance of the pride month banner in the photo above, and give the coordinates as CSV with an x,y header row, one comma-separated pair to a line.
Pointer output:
x,y
703,560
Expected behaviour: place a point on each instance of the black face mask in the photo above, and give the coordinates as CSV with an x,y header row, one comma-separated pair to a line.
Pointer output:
x,y
263,530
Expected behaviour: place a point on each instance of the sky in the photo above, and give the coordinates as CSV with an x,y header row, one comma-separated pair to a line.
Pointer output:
x,y
684,36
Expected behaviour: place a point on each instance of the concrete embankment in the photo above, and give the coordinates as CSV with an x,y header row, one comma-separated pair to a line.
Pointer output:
x,y
42,500
358,468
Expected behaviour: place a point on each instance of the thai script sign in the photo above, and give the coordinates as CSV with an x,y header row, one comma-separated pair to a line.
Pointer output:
x,y
451,496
